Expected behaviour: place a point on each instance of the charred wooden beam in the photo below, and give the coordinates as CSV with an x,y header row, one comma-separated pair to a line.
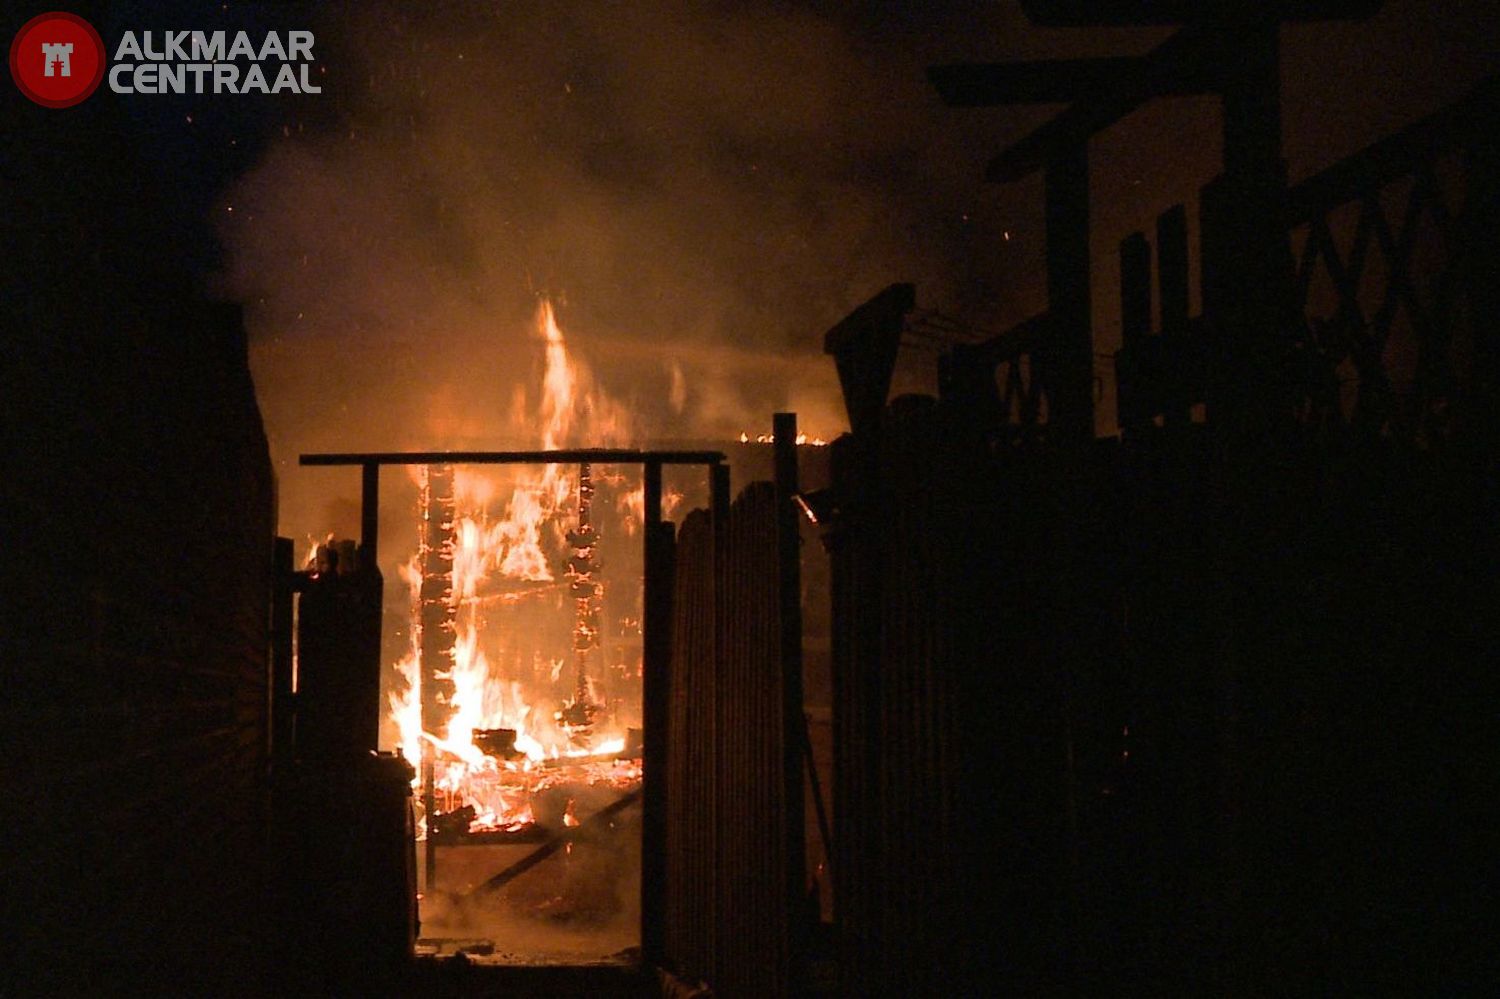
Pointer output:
x,y
577,716
556,843
497,742
437,611
436,617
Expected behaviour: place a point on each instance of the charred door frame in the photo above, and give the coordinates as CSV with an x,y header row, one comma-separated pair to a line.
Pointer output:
x,y
656,625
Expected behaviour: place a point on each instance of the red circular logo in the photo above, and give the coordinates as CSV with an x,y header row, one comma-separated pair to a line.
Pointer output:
x,y
57,59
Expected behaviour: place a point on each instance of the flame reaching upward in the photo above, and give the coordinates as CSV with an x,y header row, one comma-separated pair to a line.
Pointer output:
x,y
560,384
507,562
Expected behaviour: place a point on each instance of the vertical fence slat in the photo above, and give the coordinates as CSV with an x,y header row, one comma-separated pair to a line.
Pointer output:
x,y
726,907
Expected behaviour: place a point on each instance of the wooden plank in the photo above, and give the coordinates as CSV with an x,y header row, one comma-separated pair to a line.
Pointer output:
x,y
1069,356
369,513
656,653
789,600
1188,54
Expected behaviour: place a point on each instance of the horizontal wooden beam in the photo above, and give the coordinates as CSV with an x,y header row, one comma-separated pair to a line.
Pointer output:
x,y
1099,13
573,456
1048,81
1188,55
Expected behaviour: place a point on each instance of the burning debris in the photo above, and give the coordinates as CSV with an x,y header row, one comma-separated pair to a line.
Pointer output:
x,y
434,626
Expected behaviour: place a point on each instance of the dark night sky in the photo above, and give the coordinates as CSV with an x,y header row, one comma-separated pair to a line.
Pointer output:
x,y
705,190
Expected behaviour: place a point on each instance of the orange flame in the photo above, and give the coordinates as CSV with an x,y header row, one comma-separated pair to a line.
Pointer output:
x,y
500,559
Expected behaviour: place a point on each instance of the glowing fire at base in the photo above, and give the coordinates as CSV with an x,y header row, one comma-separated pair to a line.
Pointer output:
x,y
476,730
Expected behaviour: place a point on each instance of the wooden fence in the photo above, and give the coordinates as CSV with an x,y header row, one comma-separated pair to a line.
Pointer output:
x,y
1155,711
732,821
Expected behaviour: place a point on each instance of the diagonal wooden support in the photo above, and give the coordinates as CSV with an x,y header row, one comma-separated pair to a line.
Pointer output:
x,y
554,844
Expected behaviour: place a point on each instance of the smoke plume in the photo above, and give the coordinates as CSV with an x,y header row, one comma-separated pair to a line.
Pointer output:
x,y
702,191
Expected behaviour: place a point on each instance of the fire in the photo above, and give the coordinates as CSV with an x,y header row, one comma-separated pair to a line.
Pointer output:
x,y
803,440
406,706
517,539
632,504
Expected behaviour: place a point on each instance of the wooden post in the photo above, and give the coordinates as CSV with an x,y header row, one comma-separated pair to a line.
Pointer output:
x,y
1070,362
586,594
1257,282
437,637
1135,289
279,693
719,504
789,579
1481,253
1172,288
656,642
1131,400
1172,269
718,926
369,513
1254,330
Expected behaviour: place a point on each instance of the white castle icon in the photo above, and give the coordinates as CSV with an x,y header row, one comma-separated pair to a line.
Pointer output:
x,y
56,54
